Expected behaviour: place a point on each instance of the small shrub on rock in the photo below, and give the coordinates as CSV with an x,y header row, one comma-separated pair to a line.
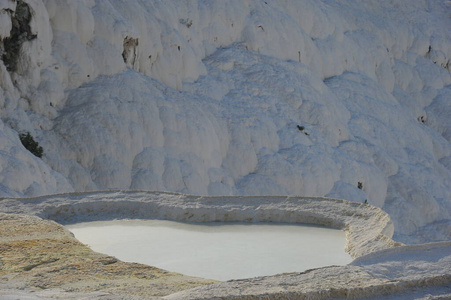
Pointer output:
x,y
30,144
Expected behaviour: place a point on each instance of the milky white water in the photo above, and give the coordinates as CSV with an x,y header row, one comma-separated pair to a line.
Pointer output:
x,y
216,250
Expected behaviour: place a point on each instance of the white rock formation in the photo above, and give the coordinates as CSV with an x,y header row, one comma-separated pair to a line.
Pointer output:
x,y
408,272
383,269
367,228
242,97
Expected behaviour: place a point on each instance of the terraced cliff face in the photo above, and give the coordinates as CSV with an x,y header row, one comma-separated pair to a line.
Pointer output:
x,y
312,98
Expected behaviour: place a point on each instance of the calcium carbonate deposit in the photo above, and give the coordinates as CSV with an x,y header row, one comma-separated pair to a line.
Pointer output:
x,y
42,260
316,98
220,251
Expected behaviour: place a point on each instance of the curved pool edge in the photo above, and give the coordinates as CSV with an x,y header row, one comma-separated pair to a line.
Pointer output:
x,y
368,231
41,259
367,228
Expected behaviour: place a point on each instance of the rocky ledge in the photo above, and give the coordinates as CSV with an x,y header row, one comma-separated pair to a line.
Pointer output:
x,y
40,259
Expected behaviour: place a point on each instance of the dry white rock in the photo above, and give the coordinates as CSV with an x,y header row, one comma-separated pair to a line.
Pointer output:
x,y
311,98
383,268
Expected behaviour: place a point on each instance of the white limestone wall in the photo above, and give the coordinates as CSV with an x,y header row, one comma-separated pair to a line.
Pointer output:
x,y
205,98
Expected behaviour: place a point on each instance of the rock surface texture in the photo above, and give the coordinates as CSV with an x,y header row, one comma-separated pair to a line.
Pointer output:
x,y
42,260
301,98
367,228
40,257
346,100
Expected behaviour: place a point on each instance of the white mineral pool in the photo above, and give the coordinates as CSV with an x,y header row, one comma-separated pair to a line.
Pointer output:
x,y
220,251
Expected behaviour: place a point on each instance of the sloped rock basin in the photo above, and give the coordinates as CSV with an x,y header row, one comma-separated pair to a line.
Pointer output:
x,y
216,250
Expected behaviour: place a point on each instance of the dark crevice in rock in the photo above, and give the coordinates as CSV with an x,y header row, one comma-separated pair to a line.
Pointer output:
x,y
20,33
130,51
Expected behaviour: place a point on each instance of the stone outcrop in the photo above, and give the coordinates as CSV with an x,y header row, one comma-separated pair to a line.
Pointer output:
x,y
40,255
42,259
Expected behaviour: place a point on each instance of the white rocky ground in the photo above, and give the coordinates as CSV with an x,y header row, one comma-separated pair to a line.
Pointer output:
x,y
409,272
383,268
